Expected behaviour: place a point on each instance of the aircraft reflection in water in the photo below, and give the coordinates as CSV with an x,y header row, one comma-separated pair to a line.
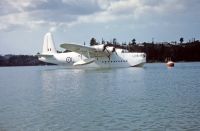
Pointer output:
x,y
98,56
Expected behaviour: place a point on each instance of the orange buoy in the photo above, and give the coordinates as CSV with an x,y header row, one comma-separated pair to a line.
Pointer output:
x,y
170,63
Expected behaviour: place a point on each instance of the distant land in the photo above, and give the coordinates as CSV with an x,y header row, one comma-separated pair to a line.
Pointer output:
x,y
156,52
20,60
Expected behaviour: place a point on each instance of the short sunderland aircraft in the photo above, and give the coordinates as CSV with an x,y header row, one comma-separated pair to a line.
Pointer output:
x,y
98,56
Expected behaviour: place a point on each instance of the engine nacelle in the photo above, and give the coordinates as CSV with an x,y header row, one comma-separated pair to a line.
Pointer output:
x,y
110,49
99,47
107,49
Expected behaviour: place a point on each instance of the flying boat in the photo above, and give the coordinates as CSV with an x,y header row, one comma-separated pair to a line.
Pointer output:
x,y
81,56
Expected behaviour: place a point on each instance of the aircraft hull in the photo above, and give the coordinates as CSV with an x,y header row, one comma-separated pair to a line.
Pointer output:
x,y
116,60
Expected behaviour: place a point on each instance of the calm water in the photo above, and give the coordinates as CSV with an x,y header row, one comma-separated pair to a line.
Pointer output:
x,y
154,98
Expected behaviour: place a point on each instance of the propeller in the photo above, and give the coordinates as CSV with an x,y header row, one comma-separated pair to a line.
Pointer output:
x,y
113,49
104,47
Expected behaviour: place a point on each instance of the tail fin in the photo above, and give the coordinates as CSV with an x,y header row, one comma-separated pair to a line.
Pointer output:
x,y
48,45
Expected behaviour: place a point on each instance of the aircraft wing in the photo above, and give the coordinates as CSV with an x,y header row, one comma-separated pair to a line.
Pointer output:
x,y
83,50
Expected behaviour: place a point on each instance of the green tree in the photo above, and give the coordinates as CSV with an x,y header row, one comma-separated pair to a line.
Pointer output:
x,y
93,42
103,41
133,41
181,40
114,41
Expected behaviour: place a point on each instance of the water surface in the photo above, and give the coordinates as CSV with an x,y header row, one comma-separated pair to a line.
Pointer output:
x,y
152,98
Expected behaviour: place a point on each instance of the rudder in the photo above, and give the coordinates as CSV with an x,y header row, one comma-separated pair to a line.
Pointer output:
x,y
48,45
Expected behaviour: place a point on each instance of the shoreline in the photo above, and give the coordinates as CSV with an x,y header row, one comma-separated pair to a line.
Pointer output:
x,y
49,65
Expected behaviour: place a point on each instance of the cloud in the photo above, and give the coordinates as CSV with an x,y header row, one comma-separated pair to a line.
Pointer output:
x,y
29,12
130,10
32,14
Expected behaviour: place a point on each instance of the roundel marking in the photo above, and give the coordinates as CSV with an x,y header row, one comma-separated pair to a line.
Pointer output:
x,y
68,59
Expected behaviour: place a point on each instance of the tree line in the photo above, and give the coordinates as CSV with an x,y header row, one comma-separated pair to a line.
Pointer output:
x,y
188,51
93,42
20,60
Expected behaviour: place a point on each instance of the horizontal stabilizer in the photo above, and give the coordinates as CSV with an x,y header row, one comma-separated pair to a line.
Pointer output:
x,y
44,55
84,62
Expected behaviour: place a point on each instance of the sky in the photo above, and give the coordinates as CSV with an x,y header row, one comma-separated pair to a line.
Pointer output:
x,y
23,23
